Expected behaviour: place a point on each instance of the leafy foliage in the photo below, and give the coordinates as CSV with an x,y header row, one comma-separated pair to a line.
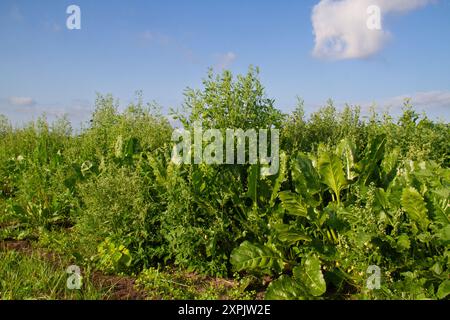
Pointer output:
x,y
349,193
255,257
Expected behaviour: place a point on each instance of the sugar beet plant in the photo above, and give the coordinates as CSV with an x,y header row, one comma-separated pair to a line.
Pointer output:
x,y
349,195
344,211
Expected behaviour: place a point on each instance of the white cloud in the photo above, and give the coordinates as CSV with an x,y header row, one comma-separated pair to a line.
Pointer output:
x,y
422,100
225,60
21,101
340,26
155,37
434,103
147,35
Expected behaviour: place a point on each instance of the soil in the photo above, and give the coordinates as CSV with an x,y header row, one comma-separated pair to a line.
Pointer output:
x,y
17,245
120,287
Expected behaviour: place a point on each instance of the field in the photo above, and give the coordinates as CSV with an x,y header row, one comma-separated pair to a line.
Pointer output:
x,y
359,208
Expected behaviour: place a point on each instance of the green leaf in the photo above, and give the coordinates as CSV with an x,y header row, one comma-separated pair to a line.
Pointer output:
x,y
330,169
285,234
293,237
403,242
284,288
444,233
346,150
441,205
291,202
389,164
125,260
250,256
118,147
444,289
381,199
252,183
311,277
305,176
281,176
414,206
436,268
373,155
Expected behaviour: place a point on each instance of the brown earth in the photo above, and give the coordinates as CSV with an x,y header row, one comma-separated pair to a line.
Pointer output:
x,y
118,287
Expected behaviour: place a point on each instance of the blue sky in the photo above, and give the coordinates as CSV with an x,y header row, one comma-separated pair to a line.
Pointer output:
x,y
162,47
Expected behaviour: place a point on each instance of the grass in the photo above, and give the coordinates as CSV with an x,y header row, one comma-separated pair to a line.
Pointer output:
x,y
181,285
25,277
37,271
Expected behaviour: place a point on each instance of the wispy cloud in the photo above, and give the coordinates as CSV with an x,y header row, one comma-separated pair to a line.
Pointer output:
x,y
16,14
21,110
340,27
224,61
21,101
52,26
149,37
422,100
75,109
436,102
